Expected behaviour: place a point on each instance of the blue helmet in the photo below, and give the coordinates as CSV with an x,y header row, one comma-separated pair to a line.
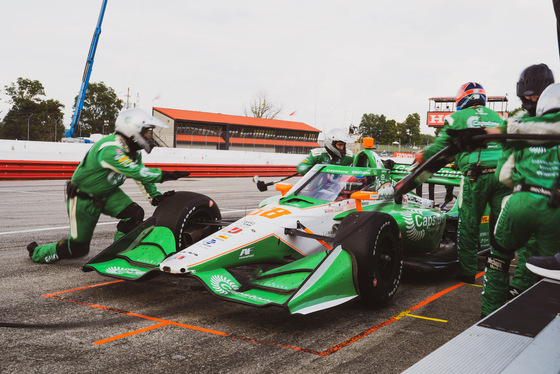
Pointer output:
x,y
470,94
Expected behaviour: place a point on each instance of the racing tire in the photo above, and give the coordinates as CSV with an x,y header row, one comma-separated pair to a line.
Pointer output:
x,y
183,213
373,239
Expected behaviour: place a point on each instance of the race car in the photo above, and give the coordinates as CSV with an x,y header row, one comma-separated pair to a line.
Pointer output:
x,y
338,234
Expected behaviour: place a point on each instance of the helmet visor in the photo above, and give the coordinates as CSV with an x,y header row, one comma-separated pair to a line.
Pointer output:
x,y
148,133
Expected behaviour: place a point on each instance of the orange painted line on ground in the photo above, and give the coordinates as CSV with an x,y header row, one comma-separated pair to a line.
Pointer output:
x,y
294,348
103,341
390,320
190,327
81,288
324,353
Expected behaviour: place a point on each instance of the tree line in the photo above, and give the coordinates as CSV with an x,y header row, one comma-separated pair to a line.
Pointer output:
x,y
34,117
388,131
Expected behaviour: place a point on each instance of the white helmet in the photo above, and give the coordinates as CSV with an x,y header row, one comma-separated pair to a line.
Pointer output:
x,y
549,102
334,136
137,126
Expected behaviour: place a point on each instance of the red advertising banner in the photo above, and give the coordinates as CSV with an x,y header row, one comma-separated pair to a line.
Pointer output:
x,y
437,119
403,155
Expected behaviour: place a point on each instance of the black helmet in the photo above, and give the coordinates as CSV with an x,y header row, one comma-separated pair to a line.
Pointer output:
x,y
533,81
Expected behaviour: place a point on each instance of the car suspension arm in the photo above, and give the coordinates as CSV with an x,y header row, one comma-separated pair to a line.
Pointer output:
x,y
306,233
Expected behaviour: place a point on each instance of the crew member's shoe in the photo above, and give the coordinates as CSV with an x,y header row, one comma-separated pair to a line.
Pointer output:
x,y
43,254
31,248
548,267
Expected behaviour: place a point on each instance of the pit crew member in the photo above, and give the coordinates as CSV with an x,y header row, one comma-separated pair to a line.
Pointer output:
x,y
530,216
95,186
479,186
334,152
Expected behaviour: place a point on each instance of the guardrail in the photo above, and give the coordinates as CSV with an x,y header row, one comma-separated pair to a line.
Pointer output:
x,y
27,170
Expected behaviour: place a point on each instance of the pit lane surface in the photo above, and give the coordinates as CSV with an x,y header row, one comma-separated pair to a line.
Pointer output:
x,y
56,318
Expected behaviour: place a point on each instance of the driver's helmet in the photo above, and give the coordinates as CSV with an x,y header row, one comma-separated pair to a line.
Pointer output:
x,y
470,94
334,136
136,126
549,102
356,183
532,81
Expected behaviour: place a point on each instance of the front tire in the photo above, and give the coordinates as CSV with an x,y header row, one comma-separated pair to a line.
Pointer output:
x,y
185,214
373,240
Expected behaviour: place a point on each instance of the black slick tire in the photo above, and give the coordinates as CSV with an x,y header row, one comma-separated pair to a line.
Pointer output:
x,y
373,239
184,213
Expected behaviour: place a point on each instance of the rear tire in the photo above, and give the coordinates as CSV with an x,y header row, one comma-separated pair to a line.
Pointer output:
x,y
183,213
373,240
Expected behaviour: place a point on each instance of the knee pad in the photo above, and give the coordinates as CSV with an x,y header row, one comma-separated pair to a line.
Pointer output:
x,y
71,249
130,217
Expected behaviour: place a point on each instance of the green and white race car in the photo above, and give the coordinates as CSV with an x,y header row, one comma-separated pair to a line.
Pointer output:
x,y
338,234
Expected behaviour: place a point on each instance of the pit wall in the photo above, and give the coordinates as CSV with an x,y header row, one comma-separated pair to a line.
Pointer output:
x,y
21,160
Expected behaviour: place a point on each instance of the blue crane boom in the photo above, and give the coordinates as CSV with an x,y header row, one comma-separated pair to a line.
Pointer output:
x,y
70,133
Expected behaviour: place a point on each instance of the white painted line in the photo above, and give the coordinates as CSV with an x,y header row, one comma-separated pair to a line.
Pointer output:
x,y
100,224
49,228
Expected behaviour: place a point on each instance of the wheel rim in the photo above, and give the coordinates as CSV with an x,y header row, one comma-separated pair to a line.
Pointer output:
x,y
386,258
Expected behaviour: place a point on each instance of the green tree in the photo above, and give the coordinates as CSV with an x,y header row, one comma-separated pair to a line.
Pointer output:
x,y
425,139
409,130
101,108
377,126
31,117
24,90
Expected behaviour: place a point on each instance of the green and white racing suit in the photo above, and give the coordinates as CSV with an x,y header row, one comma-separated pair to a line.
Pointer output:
x,y
321,156
95,189
528,222
479,186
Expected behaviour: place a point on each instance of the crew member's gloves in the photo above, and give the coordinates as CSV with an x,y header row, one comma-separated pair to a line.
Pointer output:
x,y
173,175
388,164
262,186
464,142
159,198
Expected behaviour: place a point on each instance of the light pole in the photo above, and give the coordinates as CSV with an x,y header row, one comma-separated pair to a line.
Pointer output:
x,y
28,118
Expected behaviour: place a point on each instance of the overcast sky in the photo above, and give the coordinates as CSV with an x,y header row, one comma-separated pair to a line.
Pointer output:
x,y
329,61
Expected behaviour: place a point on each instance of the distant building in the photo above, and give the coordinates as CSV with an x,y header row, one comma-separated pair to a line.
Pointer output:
x,y
228,132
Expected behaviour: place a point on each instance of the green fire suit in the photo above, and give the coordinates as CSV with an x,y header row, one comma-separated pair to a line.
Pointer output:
x,y
321,156
479,186
96,189
527,220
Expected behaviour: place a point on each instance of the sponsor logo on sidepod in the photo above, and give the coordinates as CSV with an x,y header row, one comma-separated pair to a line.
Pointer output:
x,y
246,253
417,224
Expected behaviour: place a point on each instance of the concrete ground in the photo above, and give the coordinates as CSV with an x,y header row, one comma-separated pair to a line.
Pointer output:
x,y
56,318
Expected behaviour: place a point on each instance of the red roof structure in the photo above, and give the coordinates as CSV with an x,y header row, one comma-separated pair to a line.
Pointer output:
x,y
189,115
